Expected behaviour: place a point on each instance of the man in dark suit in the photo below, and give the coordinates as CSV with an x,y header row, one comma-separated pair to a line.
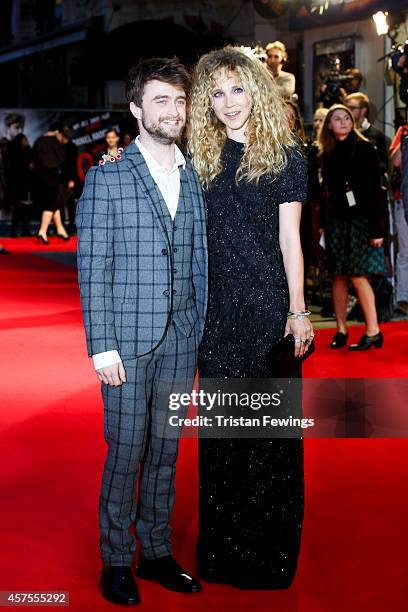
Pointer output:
x,y
359,104
142,262
399,159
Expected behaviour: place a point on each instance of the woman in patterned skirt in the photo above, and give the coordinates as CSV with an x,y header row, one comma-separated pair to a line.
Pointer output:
x,y
352,221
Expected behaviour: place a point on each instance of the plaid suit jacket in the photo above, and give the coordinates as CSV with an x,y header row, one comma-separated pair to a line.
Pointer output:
x,y
125,258
404,173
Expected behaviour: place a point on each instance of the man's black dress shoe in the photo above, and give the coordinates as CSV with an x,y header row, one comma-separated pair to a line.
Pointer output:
x,y
168,573
118,585
367,342
339,340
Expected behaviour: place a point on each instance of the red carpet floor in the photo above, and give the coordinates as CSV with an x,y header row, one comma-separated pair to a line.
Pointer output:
x,y
354,549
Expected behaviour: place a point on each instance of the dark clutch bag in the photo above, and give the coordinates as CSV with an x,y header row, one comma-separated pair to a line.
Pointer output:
x,y
282,360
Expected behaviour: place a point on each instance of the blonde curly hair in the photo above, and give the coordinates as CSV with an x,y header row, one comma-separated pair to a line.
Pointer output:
x,y
268,136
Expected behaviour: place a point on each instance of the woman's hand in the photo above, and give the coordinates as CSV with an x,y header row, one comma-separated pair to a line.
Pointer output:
x,y
302,331
376,242
111,157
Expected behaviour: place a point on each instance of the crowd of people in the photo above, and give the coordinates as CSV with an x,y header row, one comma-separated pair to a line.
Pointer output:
x,y
42,182
355,177
197,257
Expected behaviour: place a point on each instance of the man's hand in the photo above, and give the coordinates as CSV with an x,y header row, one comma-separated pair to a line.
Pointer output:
x,y
396,157
402,62
113,375
376,242
342,94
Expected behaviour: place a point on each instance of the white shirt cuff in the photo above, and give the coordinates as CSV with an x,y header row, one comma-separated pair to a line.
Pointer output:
x,y
103,360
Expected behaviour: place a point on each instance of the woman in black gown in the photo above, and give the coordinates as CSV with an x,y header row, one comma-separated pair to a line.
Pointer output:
x,y
251,490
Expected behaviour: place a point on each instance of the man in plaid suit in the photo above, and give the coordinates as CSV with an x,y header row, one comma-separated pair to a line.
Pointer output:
x,y
142,264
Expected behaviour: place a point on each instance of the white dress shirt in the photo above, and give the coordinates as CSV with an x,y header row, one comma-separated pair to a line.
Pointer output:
x,y
364,125
286,83
168,183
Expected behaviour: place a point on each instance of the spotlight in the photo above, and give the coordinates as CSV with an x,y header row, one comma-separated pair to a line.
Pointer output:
x,y
319,6
381,23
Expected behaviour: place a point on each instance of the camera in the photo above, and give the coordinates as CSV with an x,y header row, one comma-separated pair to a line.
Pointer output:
x,y
333,82
399,63
400,67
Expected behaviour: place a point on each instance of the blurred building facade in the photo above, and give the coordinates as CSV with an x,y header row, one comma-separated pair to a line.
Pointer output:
x,y
74,54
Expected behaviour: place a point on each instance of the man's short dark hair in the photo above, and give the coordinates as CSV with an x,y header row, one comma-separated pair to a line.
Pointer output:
x,y
155,69
14,119
56,126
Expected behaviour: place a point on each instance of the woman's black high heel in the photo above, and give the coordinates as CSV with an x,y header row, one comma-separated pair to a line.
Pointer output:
x,y
65,238
42,240
367,342
339,340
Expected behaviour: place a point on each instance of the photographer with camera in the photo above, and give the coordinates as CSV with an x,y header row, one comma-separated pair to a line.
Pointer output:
x,y
399,159
338,84
359,104
399,63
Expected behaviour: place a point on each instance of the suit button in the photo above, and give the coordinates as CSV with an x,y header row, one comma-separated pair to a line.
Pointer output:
x,y
175,270
174,228
175,249
164,251
166,293
174,292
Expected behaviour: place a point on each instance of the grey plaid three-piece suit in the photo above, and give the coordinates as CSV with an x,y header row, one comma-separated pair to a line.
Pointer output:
x,y
143,285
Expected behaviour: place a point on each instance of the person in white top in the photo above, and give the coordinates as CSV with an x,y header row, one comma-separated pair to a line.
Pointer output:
x,y
276,57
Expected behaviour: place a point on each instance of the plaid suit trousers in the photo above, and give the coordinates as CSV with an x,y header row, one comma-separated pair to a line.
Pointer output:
x,y
141,454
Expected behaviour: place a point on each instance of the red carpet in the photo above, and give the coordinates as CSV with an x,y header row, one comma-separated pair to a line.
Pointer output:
x,y
52,450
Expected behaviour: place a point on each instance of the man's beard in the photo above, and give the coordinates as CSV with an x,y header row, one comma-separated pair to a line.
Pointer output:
x,y
158,132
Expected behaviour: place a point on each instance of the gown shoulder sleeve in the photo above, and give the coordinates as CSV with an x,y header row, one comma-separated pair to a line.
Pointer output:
x,y
291,185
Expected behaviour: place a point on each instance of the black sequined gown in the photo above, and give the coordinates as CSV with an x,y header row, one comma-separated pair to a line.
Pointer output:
x,y
251,490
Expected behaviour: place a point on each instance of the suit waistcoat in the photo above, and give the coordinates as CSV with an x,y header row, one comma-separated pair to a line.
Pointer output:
x,y
181,238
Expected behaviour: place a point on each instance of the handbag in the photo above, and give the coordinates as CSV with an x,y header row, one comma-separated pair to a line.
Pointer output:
x,y
282,360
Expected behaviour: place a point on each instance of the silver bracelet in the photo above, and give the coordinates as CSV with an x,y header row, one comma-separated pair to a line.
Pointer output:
x,y
298,314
